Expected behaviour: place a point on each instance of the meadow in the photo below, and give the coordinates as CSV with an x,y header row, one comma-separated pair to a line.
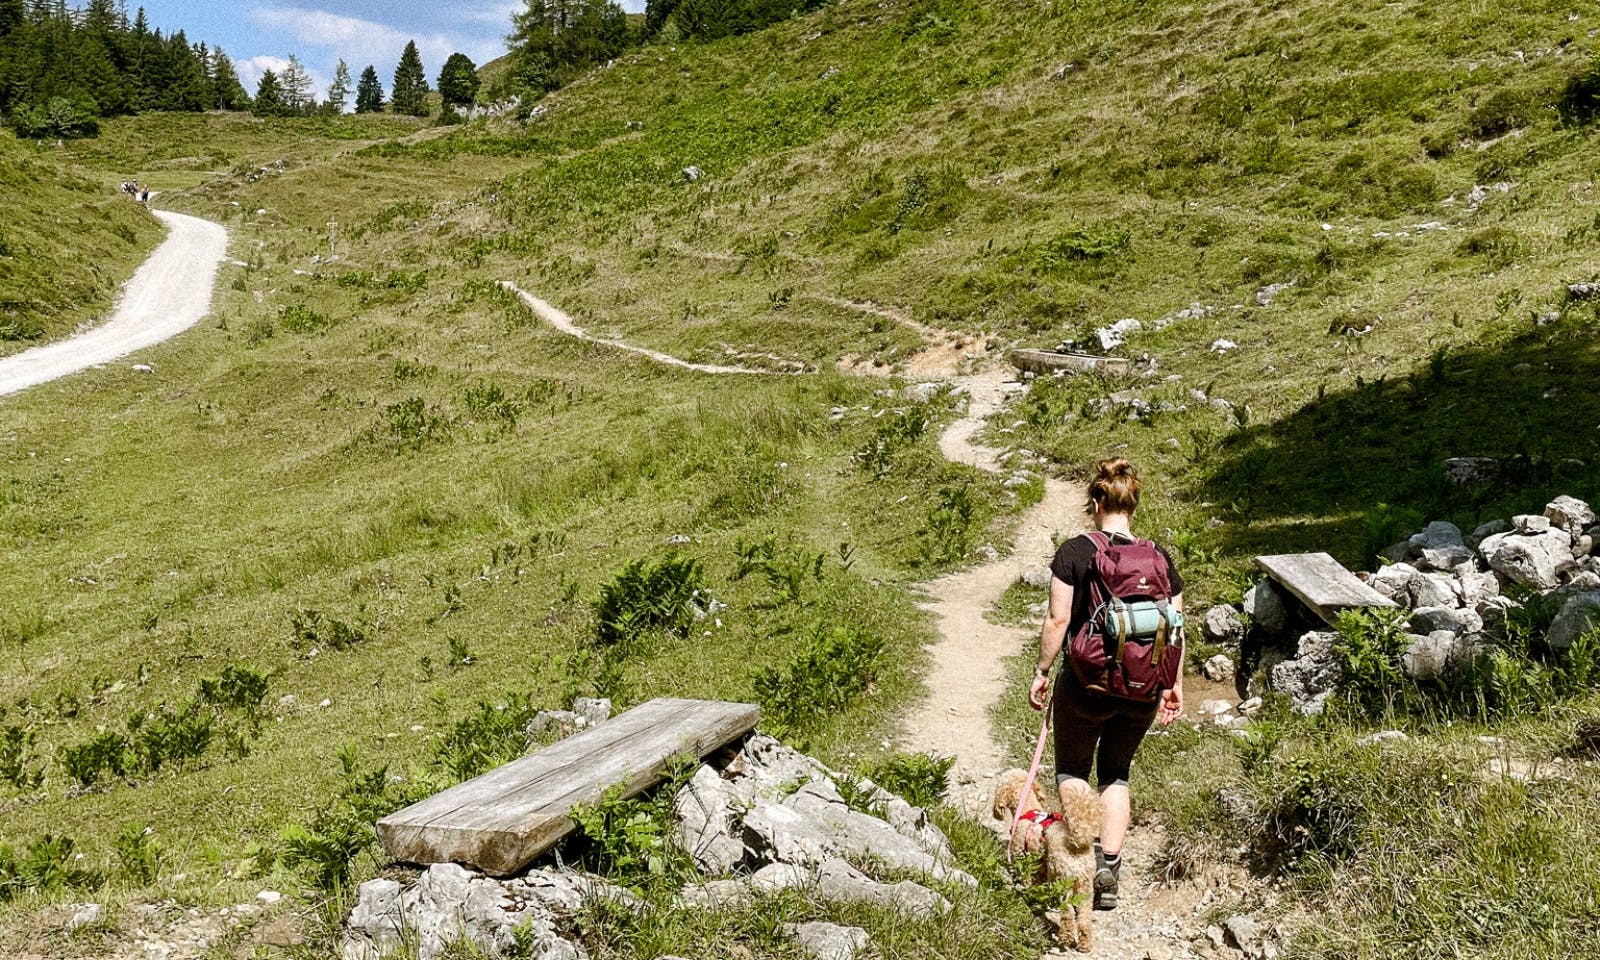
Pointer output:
x,y
375,485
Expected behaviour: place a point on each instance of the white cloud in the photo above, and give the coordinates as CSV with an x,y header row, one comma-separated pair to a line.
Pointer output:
x,y
360,42
250,72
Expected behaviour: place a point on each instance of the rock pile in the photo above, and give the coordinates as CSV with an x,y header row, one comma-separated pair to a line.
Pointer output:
x,y
769,818
1452,585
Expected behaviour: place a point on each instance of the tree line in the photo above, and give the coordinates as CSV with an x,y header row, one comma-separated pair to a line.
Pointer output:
x,y
63,69
555,41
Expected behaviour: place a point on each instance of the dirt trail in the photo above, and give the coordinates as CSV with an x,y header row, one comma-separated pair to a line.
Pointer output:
x,y
559,319
167,295
967,673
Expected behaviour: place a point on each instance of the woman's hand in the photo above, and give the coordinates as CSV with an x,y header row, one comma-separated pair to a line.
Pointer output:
x,y
1171,705
1038,694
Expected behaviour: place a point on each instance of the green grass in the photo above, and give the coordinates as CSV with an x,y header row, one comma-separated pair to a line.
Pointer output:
x,y
367,426
68,240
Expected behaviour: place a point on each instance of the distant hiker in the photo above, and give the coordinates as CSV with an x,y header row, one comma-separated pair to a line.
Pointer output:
x,y
144,194
1116,604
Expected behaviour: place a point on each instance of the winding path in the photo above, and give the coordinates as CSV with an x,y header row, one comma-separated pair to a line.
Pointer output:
x,y
167,295
559,319
967,673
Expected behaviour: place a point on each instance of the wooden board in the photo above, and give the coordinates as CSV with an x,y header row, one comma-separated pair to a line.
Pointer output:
x,y
1321,583
500,821
1048,361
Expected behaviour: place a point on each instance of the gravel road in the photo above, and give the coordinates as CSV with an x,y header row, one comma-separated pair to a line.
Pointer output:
x,y
168,294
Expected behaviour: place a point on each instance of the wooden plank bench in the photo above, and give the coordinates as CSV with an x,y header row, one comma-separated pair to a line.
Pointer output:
x,y
1321,583
1049,361
500,821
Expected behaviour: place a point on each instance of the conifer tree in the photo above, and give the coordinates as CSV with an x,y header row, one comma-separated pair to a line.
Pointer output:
x,y
458,81
227,93
295,84
269,97
410,92
369,92
339,89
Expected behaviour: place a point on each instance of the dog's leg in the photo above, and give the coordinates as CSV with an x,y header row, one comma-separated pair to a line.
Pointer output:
x,y
1085,913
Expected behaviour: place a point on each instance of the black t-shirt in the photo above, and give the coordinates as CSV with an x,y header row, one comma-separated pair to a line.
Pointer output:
x,y
1071,566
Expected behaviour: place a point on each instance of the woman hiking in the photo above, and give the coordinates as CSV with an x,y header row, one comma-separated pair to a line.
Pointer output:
x,y
1109,691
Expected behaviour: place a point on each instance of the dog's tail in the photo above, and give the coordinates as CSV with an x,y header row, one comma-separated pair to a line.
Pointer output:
x,y
1082,812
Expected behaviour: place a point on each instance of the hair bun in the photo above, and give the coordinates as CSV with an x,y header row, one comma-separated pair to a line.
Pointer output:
x,y
1113,467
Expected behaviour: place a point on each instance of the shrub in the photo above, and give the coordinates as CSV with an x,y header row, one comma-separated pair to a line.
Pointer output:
x,y
237,688
629,840
1370,645
328,843
489,735
922,779
138,857
413,423
1501,112
1095,242
893,433
837,666
167,736
17,766
946,535
48,866
1580,99
298,318
486,399
106,753
312,630
640,598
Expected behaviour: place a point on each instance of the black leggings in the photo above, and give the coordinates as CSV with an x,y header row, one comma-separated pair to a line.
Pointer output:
x,y
1085,720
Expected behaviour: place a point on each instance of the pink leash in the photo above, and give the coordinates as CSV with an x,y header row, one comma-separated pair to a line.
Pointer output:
x,y
1033,775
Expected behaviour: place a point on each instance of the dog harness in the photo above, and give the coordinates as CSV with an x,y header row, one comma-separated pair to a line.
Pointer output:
x,y
1041,820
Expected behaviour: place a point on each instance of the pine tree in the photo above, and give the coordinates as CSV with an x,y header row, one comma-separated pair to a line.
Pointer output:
x,y
553,41
13,16
227,93
339,89
295,83
458,81
410,92
269,97
369,92
656,14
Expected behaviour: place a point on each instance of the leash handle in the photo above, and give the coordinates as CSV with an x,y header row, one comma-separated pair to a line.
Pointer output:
x,y
1027,784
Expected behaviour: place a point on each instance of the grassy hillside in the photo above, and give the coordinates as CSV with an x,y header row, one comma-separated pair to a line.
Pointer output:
x,y
67,242
374,467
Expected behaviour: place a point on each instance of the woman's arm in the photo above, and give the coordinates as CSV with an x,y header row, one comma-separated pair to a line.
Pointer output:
x,y
1051,636
1172,700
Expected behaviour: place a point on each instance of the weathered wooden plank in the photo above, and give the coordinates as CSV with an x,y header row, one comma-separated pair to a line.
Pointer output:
x,y
1321,583
1049,361
502,820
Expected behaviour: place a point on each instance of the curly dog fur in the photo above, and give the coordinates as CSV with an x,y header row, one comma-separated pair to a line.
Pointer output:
x,y
1068,846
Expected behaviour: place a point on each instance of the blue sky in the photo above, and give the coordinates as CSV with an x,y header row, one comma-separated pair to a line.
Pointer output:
x,y
260,36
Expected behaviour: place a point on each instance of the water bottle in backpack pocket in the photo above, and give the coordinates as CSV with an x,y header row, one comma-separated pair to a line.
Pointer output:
x,y
1132,644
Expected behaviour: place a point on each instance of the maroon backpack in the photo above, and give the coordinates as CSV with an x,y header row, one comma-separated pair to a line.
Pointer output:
x,y
1132,644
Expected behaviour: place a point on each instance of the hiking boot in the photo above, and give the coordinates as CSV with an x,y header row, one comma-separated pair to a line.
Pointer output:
x,y
1105,881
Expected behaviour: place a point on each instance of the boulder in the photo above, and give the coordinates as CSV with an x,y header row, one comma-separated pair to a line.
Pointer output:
x,y
1569,514
1311,676
704,828
1219,668
1452,619
1394,581
559,723
1265,604
1579,615
921,392
1430,656
449,904
829,941
815,825
1476,586
766,770
1471,471
1445,558
839,882
592,710
1493,610
1486,530
1434,536
1531,523
1433,590
1036,577
1242,933
1535,560
84,915
1222,625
